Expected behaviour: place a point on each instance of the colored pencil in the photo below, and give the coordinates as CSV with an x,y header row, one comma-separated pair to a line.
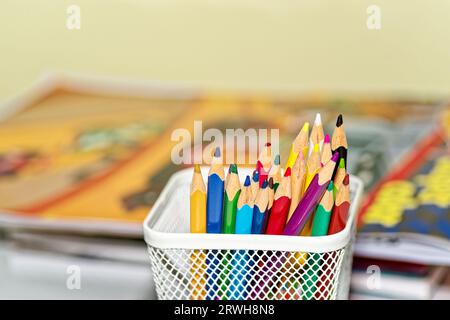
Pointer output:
x,y
323,213
339,140
264,162
339,176
214,207
326,151
198,202
298,176
271,195
317,134
311,198
232,192
214,201
300,144
198,225
342,205
255,184
314,264
260,209
275,172
241,259
312,167
337,223
244,211
280,208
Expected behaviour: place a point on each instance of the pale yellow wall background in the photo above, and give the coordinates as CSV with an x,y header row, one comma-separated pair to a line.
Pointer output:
x,y
280,45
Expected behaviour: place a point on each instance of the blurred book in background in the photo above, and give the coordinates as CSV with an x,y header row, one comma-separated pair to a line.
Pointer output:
x,y
405,224
397,280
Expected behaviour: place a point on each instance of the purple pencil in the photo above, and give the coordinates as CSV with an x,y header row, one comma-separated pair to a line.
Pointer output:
x,y
311,198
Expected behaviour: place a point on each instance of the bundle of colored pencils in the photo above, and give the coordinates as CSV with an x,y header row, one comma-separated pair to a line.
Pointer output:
x,y
311,197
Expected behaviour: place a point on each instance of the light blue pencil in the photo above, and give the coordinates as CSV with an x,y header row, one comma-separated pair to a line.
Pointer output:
x,y
241,263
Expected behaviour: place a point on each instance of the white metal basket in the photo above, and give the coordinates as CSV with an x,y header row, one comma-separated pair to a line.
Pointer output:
x,y
235,266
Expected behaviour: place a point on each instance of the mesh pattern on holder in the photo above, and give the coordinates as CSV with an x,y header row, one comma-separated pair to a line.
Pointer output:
x,y
248,274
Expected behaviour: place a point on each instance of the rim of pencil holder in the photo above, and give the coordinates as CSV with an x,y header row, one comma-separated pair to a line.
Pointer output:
x,y
185,240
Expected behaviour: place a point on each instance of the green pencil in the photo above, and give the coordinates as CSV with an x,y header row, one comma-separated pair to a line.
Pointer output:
x,y
323,213
232,192
319,228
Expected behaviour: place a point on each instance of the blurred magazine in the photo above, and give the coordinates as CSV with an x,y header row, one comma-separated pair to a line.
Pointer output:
x,y
407,217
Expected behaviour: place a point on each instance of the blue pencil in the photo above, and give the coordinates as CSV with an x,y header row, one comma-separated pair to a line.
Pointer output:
x,y
214,208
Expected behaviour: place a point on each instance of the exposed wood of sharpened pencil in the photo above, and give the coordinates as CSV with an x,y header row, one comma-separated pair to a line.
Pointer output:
x,y
255,184
264,162
317,135
312,167
298,177
275,170
300,144
311,198
326,151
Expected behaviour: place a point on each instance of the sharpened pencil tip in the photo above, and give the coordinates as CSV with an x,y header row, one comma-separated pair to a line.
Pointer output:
x,y
197,168
346,180
271,183
265,184
268,144
233,168
318,119
327,138
330,186
305,127
276,161
316,148
335,157
247,181
255,176
342,163
287,173
217,152
339,121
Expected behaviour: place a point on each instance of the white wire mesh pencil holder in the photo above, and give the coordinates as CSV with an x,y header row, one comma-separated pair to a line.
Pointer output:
x,y
241,267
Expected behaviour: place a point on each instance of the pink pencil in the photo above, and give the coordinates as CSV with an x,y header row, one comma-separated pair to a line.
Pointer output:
x,y
311,198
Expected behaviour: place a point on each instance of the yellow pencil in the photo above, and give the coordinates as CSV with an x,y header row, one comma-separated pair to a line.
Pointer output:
x,y
198,202
300,144
198,225
312,167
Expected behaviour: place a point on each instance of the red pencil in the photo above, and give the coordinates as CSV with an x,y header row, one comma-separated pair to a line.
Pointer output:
x,y
340,211
280,208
